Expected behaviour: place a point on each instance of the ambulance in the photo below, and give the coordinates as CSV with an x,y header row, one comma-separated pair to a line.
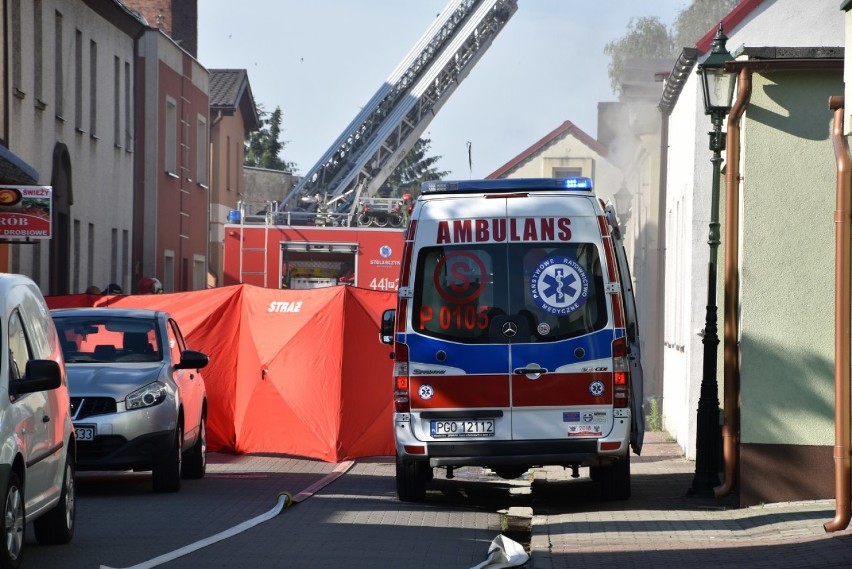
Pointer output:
x,y
515,341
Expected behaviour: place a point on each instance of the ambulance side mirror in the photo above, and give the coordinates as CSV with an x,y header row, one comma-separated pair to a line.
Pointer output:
x,y
388,326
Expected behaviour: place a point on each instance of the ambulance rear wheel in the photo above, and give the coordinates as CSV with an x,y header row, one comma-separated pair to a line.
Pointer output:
x,y
411,478
614,479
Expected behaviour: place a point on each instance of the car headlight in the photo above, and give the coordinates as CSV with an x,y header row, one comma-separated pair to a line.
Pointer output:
x,y
148,396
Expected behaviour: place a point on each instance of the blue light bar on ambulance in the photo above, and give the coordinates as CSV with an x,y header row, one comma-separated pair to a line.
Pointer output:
x,y
505,185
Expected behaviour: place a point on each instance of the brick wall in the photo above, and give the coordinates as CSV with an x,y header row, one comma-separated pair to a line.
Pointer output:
x,y
177,18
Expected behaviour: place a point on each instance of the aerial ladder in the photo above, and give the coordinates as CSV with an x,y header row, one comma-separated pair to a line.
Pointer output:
x,y
339,189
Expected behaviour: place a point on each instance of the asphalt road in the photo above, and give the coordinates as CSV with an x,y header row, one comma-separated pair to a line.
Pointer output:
x,y
353,521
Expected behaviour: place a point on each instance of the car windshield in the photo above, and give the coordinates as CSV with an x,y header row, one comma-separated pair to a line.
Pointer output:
x,y
102,339
554,291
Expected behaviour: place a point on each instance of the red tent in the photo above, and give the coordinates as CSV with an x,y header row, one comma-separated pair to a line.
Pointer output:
x,y
297,372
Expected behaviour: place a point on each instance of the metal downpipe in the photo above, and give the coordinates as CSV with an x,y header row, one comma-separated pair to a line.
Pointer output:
x,y
731,426
842,321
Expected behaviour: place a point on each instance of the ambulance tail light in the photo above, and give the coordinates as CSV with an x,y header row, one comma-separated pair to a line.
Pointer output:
x,y
401,399
621,373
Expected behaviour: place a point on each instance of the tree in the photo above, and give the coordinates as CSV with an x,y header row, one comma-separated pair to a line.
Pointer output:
x,y
699,18
264,146
412,171
645,37
648,37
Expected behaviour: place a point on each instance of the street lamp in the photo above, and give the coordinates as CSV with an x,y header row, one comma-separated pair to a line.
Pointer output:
x,y
718,85
623,201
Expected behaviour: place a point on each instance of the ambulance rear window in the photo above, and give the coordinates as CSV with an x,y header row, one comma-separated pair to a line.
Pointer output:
x,y
550,292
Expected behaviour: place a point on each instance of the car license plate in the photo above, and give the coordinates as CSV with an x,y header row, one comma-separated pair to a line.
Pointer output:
x,y
85,432
462,428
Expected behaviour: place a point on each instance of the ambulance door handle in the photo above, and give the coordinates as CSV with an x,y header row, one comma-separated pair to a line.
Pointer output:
x,y
537,371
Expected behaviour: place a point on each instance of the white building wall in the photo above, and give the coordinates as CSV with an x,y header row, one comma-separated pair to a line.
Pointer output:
x,y
102,171
775,23
687,255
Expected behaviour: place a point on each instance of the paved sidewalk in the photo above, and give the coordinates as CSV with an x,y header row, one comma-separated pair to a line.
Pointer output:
x,y
661,527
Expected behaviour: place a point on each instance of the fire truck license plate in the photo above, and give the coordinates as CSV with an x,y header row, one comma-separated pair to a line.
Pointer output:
x,y
462,428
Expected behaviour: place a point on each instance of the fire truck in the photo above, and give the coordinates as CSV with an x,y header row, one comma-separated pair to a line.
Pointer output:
x,y
331,228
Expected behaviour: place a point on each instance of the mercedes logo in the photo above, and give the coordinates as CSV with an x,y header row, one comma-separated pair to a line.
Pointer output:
x,y
510,329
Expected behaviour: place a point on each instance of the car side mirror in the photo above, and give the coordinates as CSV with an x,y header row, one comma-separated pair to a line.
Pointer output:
x,y
191,359
388,326
41,375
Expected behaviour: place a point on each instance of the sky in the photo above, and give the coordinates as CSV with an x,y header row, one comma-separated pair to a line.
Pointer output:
x,y
320,61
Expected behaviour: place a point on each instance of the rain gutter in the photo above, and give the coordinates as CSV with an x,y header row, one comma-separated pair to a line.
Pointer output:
x,y
731,425
842,321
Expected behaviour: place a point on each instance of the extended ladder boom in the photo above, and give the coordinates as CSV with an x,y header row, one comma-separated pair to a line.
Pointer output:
x,y
374,143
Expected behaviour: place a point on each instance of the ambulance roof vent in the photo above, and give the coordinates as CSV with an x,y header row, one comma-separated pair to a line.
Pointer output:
x,y
506,185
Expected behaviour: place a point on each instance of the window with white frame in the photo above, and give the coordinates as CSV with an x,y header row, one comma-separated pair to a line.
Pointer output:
x,y
171,136
168,271
199,272
201,150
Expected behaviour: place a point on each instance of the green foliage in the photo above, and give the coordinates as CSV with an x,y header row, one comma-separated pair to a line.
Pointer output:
x,y
645,37
654,419
412,171
699,18
264,146
648,37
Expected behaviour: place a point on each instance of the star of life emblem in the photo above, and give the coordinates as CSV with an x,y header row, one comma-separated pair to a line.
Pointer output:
x,y
559,285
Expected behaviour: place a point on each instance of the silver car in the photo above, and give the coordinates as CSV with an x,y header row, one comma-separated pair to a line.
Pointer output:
x,y
138,400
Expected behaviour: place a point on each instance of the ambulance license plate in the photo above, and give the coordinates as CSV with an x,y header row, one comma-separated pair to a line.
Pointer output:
x,y
462,428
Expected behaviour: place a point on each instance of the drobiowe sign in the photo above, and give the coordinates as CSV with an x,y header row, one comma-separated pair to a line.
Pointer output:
x,y
25,212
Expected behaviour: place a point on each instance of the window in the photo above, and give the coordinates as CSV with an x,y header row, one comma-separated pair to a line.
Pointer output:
x,y
125,253
17,86
90,251
116,96
552,291
76,253
201,150
38,57
19,350
113,269
199,272
58,65
567,172
93,88
227,162
128,110
78,80
171,136
169,271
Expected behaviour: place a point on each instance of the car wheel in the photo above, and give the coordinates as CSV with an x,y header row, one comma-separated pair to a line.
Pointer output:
x,y
14,524
411,478
57,526
195,461
166,475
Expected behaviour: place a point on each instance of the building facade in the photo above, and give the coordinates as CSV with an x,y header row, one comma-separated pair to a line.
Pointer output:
x,y
775,356
233,117
171,197
70,98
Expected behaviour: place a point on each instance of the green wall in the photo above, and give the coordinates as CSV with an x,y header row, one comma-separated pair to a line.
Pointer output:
x,y
787,260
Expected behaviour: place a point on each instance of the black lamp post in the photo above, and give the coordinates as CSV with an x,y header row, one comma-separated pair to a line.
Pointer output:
x,y
718,85
623,201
